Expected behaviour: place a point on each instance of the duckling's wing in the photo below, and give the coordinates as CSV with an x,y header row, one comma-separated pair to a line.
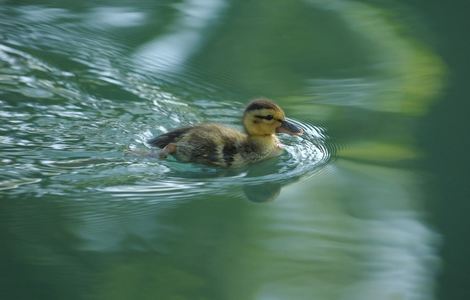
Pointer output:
x,y
169,137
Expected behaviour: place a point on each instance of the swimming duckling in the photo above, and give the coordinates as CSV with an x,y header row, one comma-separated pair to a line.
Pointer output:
x,y
215,144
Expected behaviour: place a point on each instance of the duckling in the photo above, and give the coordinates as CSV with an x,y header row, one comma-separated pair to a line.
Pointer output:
x,y
217,145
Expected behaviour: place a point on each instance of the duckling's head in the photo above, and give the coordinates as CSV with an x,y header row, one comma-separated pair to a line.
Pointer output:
x,y
263,117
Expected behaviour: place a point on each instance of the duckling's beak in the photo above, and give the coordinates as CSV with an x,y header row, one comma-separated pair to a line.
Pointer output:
x,y
289,128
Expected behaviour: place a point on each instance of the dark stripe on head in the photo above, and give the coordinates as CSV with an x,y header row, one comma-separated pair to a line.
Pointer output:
x,y
261,104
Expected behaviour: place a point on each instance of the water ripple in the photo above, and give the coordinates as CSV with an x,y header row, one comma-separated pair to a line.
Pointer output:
x,y
303,156
72,126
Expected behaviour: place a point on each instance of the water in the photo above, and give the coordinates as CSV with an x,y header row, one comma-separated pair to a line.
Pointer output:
x,y
353,209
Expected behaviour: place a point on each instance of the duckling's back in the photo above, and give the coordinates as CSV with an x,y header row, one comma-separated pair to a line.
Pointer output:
x,y
170,137
211,144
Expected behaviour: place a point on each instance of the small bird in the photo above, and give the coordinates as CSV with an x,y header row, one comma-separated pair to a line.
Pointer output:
x,y
217,145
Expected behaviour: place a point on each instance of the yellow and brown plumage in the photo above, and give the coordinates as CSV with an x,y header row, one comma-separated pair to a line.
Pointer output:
x,y
215,144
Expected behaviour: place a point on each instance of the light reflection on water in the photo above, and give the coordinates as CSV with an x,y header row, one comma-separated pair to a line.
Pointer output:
x,y
74,99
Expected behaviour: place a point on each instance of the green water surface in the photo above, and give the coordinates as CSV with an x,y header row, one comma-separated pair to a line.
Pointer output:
x,y
370,203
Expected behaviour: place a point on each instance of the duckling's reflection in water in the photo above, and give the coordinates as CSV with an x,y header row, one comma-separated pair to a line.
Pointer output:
x,y
260,182
268,189
260,191
264,192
